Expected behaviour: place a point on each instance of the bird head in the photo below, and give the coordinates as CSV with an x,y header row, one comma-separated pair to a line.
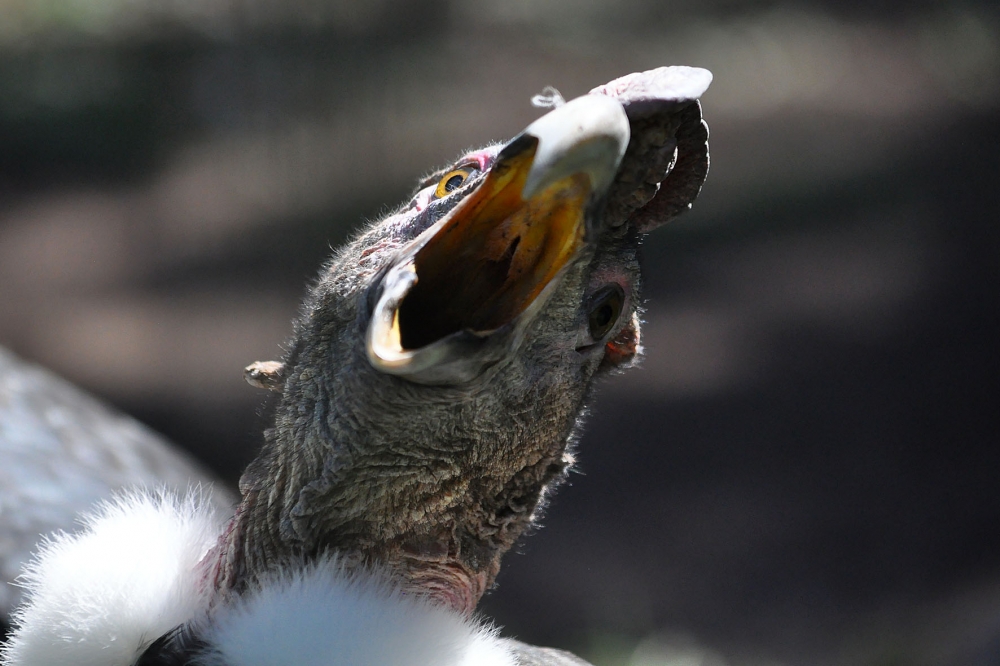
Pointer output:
x,y
442,360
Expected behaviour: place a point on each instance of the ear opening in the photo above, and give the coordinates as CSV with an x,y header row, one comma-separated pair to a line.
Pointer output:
x,y
268,375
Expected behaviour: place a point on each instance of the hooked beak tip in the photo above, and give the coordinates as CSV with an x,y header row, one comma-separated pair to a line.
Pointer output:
x,y
587,135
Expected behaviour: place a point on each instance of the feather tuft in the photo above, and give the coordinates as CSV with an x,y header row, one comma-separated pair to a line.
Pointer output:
x,y
98,598
321,616
549,98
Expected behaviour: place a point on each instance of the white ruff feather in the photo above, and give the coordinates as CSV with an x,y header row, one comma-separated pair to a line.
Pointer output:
x,y
323,617
100,597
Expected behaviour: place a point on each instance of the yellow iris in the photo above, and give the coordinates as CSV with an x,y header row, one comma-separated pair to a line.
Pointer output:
x,y
451,182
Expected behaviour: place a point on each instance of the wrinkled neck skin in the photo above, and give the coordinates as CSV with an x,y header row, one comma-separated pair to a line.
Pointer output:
x,y
430,485
434,505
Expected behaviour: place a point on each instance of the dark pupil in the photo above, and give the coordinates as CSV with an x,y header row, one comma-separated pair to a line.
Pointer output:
x,y
605,313
602,317
454,182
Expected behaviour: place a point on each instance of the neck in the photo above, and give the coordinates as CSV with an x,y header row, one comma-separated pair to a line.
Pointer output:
x,y
439,533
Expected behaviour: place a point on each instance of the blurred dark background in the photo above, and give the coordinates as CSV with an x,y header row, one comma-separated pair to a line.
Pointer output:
x,y
805,469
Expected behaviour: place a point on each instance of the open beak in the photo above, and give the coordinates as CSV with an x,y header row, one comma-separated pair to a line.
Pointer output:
x,y
458,298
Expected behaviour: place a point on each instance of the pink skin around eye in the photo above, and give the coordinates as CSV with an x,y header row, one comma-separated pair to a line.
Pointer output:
x,y
609,274
480,158
423,198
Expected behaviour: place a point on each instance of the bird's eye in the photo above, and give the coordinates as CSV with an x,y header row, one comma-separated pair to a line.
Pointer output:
x,y
452,181
605,309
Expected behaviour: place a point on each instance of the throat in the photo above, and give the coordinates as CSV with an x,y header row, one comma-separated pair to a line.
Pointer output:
x,y
451,555
437,567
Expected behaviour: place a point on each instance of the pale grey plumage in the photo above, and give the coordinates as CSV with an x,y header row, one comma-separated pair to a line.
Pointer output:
x,y
63,450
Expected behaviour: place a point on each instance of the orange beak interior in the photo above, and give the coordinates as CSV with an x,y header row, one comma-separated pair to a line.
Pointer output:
x,y
494,254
